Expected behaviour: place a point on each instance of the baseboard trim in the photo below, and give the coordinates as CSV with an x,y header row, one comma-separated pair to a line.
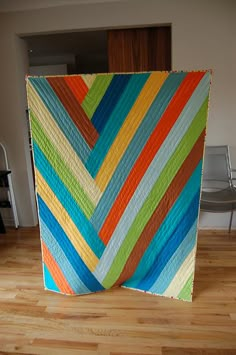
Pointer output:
x,y
217,231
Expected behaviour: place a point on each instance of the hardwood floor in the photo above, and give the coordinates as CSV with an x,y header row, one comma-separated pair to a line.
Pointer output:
x,y
120,321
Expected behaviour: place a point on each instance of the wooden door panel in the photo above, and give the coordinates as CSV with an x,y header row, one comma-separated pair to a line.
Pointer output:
x,y
139,49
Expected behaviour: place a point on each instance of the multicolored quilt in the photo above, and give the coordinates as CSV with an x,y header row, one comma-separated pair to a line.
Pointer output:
x,y
118,164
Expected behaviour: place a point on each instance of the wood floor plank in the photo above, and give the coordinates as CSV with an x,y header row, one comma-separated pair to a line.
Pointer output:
x,y
182,351
118,321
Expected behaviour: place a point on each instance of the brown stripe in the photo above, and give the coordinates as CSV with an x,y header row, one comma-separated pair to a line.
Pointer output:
x,y
163,208
74,109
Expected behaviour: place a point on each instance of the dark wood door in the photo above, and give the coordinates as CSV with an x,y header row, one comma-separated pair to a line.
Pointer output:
x,y
139,49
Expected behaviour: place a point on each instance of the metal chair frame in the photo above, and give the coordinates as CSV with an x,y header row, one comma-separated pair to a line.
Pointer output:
x,y
218,191
10,192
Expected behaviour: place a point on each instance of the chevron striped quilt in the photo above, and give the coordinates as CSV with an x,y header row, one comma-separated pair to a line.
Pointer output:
x,y
118,165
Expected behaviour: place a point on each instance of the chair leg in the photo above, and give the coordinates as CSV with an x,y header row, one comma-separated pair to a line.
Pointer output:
x,y
2,227
230,221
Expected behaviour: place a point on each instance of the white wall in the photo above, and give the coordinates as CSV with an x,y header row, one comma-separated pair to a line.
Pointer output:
x,y
202,37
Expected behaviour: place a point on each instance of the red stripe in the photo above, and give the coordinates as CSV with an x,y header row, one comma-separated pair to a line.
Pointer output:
x,y
77,86
151,148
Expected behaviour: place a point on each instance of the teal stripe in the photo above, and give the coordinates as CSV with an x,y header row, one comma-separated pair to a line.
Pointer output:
x,y
61,117
115,121
49,283
167,227
139,140
109,100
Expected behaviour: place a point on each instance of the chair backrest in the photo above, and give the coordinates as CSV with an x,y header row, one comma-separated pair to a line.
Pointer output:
x,y
217,168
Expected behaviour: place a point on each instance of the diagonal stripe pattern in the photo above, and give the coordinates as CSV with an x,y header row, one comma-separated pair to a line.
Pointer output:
x,y
118,165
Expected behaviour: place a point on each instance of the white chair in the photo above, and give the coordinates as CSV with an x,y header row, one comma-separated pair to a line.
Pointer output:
x,y
218,188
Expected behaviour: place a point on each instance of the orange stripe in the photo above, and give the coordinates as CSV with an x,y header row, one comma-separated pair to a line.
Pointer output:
x,y
55,271
156,139
77,86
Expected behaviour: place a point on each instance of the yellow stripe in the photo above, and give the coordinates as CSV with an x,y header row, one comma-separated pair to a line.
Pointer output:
x,y
129,128
63,218
63,147
88,79
180,278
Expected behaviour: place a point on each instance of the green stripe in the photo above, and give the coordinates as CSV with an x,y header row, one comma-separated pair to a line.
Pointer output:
x,y
186,292
156,194
96,93
60,167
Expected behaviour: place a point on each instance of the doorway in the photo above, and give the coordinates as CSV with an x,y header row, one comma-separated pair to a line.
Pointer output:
x,y
101,51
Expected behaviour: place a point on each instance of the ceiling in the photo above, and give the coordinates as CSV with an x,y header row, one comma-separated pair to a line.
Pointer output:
x,y
25,5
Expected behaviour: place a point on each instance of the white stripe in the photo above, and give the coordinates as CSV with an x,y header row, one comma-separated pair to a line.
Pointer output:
x,y
181,277
88,79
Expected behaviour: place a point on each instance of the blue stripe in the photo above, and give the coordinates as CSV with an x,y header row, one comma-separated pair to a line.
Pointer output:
x,y
83,273
173,242
64,264
109,100
167,227
175,262
115,121
61,117
64,196
49,283
135,147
